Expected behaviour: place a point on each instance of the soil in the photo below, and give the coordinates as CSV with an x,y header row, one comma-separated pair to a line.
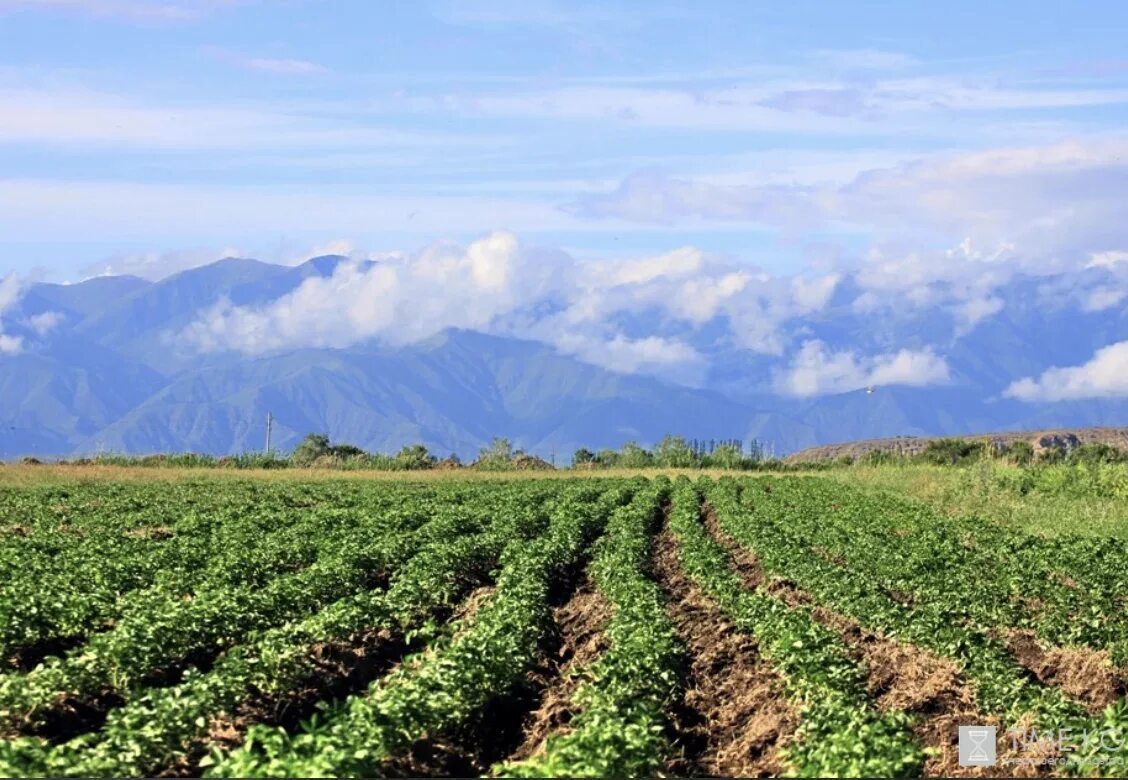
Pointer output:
x,y
1086,674
514,725
734,716
899,676
580,623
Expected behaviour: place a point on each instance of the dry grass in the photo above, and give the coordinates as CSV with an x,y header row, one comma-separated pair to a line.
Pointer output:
x,y
16,475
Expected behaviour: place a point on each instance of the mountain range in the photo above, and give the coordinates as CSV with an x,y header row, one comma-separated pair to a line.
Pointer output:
x,y
100,369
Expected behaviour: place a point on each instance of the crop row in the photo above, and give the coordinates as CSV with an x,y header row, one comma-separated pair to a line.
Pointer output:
x,y
621,710
72,579
841,733
935,619
1071,591
155,729
486,658
164,629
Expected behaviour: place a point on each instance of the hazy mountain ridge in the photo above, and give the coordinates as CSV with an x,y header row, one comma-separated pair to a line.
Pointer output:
x,y
105,372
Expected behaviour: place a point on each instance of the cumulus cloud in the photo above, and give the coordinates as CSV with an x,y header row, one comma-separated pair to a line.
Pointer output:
x,y
651,355
45,322
1104,298
496,285
1103,376
1041,201
970,313
400,299
11,289
1115,259
1039,211
816,370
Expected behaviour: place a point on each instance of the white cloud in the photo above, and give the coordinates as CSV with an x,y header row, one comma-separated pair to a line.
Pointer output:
x,y
495,285
1040,210
46,322
1103,376
815,370
1004,199
1104,298
57,116
1107,259
399,300
970,313
10,345
813,293
11,289
678,263
651,355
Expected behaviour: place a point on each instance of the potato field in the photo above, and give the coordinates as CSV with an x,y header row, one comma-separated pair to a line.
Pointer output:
x,y
604,626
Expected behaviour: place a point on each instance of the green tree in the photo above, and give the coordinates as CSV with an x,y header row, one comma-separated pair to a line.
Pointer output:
x,y
414,457
346,451
309,449
952,451
582,457
725,456
496,457
632,456
607,458
674,452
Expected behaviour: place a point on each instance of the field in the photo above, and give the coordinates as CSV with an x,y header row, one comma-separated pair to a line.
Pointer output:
x,y
614,625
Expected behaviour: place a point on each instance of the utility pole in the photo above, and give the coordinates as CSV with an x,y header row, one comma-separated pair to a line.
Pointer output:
x,y
269,428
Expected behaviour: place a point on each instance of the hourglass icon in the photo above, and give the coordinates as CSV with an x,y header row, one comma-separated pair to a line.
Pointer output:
x,y
977,745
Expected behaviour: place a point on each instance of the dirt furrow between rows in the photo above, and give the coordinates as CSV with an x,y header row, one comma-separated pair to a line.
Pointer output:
x,y
580,640
514,725
899,676
734,717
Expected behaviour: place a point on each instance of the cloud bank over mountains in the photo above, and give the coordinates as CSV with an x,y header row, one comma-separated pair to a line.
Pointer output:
x,y
452,344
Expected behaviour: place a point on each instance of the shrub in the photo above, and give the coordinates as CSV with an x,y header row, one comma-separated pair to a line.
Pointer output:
x,y
944,452
496,457
674,452
632,456
415,457
312,448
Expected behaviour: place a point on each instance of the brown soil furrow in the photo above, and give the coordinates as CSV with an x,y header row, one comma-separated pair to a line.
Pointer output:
x,y
340,669
514,724
899,676
734,716
580,624
29,656
1086,674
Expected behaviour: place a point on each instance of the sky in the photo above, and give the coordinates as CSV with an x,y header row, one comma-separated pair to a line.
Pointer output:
x,y
147,136
550,169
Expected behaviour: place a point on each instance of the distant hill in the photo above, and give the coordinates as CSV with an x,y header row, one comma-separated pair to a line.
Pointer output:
x,y
914,445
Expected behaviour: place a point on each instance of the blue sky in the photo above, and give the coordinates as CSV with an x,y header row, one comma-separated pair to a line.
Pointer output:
x,y
145,136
